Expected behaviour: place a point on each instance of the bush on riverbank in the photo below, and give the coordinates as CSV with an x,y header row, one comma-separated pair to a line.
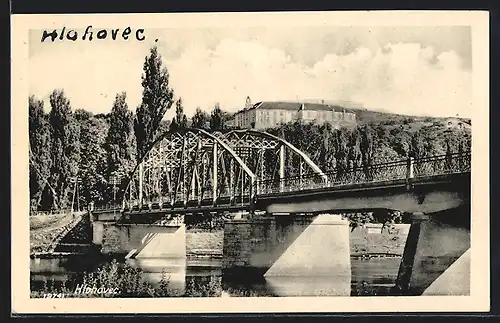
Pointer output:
x,y
122,279
204,288
204,222
384,217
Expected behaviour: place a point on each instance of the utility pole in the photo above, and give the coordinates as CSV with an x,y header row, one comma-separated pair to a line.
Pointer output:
x,y
114,197
75,181
114,175
78,193
113,178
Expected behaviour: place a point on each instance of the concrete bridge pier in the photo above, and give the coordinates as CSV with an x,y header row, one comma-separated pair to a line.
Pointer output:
x,y
436,259
296,254
143,240
153,248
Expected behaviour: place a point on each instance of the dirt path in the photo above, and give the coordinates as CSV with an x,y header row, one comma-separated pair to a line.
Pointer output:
x,y
45,228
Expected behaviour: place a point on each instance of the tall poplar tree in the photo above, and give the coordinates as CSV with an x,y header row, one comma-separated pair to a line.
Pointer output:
x,y
119,139
218,119
39,152
157,98
179,122
65,149
200,119
93,161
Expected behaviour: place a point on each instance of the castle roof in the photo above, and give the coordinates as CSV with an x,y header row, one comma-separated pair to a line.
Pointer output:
x,y
295,106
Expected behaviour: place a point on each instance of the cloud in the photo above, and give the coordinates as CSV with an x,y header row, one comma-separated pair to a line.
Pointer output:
x,y
399,77
403,78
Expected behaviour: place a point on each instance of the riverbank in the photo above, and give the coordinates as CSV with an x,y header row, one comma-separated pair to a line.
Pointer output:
x,y
50,234
197,279
44,229
375,257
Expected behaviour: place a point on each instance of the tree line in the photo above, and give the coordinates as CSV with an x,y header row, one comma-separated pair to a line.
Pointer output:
x,y
361,146
69,147
94,153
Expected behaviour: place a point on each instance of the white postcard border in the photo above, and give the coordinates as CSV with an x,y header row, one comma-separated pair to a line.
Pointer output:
x,y
480,272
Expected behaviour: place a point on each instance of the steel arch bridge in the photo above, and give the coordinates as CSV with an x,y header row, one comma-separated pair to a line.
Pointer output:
x,y
194,168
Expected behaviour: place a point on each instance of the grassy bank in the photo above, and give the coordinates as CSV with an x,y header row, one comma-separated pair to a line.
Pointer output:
x,y
110,280
45,228
118,280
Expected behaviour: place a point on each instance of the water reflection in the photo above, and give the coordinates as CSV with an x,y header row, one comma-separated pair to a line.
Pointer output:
x,y
309,286
172,269
204,277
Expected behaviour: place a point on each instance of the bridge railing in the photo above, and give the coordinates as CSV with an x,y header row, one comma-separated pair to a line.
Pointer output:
x,y
401,169
290,184
166,201
375,173
396,170
443,164
106,207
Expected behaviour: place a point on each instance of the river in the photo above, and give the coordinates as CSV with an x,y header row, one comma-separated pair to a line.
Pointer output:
x,y
372,276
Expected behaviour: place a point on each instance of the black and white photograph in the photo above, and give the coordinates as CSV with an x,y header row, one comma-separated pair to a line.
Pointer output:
x,y
251,156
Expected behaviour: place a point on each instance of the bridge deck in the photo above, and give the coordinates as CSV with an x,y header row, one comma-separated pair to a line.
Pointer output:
x,y
226,205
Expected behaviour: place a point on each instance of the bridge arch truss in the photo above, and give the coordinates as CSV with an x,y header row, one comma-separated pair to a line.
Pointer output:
x,y
196,168
277,164
189,168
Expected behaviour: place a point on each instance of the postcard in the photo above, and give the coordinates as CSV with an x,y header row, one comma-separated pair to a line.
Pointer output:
x,y
250,162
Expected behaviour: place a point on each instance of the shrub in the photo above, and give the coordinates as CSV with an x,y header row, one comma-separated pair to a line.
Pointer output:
x,y
126,280
385,217
200,288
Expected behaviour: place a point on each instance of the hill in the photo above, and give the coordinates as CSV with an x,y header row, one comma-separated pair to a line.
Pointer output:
x,y
377,137
366,116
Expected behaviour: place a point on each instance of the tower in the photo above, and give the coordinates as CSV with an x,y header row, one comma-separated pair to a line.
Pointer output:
x,y
248,103
300,113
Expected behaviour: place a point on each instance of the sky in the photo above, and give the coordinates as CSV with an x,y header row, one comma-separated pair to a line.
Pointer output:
x,y
407,70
